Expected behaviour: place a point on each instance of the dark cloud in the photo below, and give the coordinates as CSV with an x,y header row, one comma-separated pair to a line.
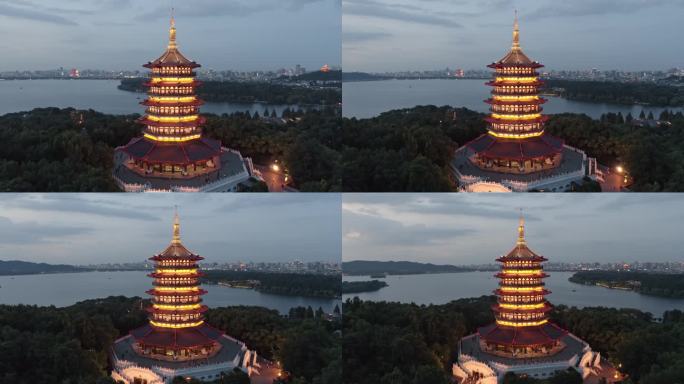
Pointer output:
x,y
475,228
359,36
31,233
397,12
34,15
593,7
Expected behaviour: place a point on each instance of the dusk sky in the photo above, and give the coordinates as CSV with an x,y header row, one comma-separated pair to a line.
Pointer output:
x,y
111,228
396,35
124,34
477,228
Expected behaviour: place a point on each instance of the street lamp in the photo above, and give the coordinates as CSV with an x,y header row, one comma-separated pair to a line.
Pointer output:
x,y
275,167
619,169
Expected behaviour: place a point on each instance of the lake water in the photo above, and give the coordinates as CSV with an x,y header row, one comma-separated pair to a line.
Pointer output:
x,y
366,99
64,289
443,288
100,95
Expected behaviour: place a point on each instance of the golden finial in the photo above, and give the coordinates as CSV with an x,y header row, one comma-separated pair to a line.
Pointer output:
x,y
516,32
172,31
176,227
521,229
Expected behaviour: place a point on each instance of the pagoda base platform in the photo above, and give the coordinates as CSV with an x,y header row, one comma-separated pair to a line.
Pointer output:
x,y
572,168
477,366
233,171
130,367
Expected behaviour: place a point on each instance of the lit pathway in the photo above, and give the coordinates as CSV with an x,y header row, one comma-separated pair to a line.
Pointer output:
x,y
267,372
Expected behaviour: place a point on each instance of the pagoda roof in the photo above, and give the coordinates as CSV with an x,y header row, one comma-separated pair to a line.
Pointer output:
x,y
515,57
148,102
516,149
539,119
521,336
201,335
172,56
177,153
172,124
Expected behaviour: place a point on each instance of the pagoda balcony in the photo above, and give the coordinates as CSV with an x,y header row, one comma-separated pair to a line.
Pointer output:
x,y
180,312
512,82
194,83
166,92
540,119
190,321
543,292
192,103
522,284
154,292
545,308
175,284
533,91
164,124
535,101
503,275
171,275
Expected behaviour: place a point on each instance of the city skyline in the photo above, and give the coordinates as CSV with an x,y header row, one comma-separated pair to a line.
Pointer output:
x,y
476,228
112,228
123,34
383,35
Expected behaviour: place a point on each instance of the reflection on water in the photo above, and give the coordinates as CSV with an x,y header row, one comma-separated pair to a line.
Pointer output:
x,y
100,95
63,289
442,288
370,98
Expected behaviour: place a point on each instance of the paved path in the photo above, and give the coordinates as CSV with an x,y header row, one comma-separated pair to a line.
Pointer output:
x,y
267,372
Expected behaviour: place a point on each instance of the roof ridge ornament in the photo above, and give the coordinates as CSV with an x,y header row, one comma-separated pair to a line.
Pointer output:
x,y
172,31
516,33
521,230
176,228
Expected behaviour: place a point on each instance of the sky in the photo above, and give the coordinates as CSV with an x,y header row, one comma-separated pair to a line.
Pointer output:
x,y
124,34
398,35
116,228
463,229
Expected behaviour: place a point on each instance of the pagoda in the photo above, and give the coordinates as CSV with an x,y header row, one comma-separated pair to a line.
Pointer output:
x,y
173,154
522,339
177,341
516,153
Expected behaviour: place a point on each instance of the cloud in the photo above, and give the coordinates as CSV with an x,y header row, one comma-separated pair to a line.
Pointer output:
x,y
29,233
397,12
375,231
359,36
69,203
214,8
34,15
592,7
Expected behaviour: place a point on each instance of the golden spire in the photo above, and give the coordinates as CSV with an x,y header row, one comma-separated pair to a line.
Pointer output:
x,y
176,228
172,31
521,230
516,33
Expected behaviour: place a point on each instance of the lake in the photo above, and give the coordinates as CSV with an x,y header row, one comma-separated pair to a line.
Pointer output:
x,y
64,289
100,95
445,287
364,99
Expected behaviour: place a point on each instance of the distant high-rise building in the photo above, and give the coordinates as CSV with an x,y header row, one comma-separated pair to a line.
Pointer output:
x,y
173,154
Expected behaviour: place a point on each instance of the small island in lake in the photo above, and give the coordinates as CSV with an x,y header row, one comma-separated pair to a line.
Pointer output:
x,y
16,267
290,284
362,286
384,268
654,284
